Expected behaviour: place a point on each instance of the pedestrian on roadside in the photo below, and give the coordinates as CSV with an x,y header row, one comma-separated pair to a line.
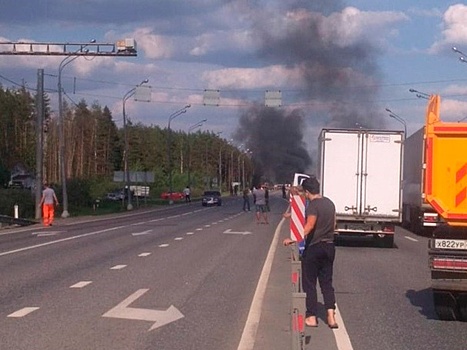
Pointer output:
x,y
187,193
319,254
259,197
47,202
283,192
246,199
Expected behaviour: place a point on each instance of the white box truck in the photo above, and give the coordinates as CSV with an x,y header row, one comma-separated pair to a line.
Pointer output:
x,y
361,172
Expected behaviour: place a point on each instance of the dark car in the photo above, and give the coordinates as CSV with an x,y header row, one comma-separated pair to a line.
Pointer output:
x,y
211,198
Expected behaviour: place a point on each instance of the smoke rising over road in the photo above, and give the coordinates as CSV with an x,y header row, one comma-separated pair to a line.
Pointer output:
x,y
276,140
335,69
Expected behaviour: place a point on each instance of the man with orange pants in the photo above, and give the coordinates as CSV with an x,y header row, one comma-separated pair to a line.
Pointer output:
x,y
47,202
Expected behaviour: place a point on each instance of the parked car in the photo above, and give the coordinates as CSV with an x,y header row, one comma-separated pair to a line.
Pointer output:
x,y
175,196
211,198
115,196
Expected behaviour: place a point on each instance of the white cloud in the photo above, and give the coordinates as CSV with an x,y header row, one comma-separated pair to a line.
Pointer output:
x,y
154,46
453,110
455,28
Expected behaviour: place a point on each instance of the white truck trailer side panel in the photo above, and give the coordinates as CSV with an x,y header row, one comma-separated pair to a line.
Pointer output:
x,y
361,173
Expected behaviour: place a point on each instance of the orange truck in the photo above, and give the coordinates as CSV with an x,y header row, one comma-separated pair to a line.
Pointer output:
x,y
445,189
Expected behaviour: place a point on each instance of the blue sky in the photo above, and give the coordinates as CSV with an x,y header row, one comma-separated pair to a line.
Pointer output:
x,y
378,49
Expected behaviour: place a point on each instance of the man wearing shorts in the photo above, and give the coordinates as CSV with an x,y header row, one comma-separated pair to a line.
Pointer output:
x,y
259,195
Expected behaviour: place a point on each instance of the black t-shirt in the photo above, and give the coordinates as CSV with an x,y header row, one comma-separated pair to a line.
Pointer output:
x,y
325,211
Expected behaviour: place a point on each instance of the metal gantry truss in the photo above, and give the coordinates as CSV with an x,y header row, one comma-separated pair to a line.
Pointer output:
x,y
67,49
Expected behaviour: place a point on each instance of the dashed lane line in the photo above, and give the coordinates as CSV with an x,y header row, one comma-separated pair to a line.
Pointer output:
x,y
142,255
118,267
81,284
23,312
411,239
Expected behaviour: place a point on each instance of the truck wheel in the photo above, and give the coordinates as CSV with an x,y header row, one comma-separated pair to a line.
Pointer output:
x,y
445,306
462,303
385,241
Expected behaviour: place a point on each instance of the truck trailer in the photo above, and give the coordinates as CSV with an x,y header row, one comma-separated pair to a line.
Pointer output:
x,y
445,189
418,215
361,172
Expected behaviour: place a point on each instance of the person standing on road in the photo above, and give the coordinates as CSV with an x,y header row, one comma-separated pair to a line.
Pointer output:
x,y
319,254
47,202
187,193
246,199
259,197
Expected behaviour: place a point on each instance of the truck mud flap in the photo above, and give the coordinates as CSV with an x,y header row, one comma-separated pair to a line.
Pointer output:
x,y
445,305
450,305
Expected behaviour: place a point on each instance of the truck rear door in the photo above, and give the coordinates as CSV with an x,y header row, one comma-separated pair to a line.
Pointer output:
x,y
340,170
381,175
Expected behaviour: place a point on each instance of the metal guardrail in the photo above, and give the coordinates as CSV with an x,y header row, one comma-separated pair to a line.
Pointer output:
x,y
298,309
5,219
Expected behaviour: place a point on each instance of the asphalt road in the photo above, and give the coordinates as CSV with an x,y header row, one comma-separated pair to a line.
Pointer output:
x,y
189,277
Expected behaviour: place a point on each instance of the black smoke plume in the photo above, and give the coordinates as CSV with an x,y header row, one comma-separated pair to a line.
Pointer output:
x,y
339,76
276,141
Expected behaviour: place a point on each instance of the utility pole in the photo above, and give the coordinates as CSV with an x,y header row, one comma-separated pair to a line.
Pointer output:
x,y
40,111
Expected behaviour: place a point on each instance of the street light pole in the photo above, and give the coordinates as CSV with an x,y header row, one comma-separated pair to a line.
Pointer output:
x,y
420,94
194,126
399,119
61,129
126,167
169,148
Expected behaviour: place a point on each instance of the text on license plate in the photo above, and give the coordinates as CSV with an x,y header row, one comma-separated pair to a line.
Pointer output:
x,y
450,244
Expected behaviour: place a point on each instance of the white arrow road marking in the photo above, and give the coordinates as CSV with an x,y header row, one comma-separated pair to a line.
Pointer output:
x,y
230,232
81,284
141,233
118,267
160,317
23,312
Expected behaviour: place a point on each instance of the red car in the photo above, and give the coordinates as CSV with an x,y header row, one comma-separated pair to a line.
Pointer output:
x,y
175,196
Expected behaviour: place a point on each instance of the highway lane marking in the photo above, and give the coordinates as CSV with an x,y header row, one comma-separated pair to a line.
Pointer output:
x,y
230,232
190,233
81,284
141,233
247,341
411,239
165,245
199,229
207,225
340,334
160,219
46,233
118,267
23,312
159,317
178,238
142,255
60,240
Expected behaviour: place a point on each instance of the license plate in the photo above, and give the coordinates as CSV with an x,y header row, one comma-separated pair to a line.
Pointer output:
x,y
451,244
